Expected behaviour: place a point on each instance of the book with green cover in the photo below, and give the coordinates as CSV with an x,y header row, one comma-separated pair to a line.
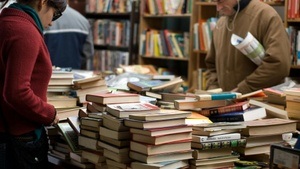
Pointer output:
x,y
70,136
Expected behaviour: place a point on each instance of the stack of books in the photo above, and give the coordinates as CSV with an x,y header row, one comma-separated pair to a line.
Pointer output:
x,y
260,134
293,102
89,137
213,143
88,85
58,93
114,136
159,139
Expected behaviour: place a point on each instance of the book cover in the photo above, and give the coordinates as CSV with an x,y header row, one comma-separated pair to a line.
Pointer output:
x,y
252,113
70,135
226,109
222,137
124,110
219,96
163,114
109,98
219,144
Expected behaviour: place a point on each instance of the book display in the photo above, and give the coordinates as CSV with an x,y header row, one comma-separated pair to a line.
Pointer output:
x,y
115,30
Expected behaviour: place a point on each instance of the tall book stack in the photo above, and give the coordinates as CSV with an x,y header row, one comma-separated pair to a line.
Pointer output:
x,y
88,85
213,143
58,93
89,137
293,102
114,137
159,139
260,134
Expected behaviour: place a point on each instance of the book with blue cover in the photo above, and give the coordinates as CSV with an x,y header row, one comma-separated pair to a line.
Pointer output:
x,y
252,113
219,96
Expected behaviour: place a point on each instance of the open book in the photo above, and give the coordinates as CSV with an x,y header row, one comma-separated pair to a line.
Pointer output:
x,y
249,47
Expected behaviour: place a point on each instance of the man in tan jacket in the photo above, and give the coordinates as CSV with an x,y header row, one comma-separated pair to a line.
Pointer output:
x,y
228,67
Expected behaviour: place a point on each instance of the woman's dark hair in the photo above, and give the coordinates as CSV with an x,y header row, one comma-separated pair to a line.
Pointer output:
x,y
61,4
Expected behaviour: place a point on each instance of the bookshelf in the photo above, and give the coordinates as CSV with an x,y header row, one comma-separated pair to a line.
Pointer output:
x,y
205,10
153,44
115,30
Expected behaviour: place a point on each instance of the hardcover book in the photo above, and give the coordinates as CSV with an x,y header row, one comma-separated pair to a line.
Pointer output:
x,y
252,113
156,85
195,104
219,96
269,127
164,114
111,98
124,110
153,124
240,106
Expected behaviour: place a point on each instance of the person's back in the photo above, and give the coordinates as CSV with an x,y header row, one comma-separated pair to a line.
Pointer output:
x,y
70,41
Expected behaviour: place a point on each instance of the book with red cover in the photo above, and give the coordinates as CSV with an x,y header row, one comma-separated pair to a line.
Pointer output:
x,y
239,106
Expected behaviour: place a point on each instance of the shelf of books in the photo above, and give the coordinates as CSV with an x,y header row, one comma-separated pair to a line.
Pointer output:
x,y
115,30
164,35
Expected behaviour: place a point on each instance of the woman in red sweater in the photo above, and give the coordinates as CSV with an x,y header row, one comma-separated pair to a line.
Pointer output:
x,y
25,70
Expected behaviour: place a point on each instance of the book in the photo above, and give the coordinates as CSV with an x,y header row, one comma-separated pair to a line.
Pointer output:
x,y
110,98
124,110
184,155
62,101
148,149
222,137
246,151
195,104
195,118
93,156
164,114
117,143
113,148
170,97
239,106
215,160
278,89
70,136
153,124
92,81
270,110
254,141
270,126
219,144
252,113
156,132
295,91
91,134
114,123
161,139
74,122
117,135
219,96
88,143
162,165
209,153
92,122
156,85
64,113
118,157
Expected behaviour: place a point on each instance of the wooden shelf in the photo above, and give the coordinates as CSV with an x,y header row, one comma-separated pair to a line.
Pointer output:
x,y
108,15
165,58
167,16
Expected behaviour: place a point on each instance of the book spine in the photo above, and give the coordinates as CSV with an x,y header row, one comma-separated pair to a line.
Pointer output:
x,y
229,118
226,109
219,96
224,144
223,137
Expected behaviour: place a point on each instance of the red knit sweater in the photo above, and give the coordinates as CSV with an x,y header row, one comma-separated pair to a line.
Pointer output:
x,y
25,70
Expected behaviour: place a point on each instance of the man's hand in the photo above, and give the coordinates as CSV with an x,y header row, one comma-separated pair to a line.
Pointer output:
x,y
55,121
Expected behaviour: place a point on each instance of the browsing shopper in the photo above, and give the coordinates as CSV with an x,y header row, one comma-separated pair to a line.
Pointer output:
x,y
229,68
24,75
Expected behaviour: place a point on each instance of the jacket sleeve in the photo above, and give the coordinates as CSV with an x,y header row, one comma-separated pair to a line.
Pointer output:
x,y
276,63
